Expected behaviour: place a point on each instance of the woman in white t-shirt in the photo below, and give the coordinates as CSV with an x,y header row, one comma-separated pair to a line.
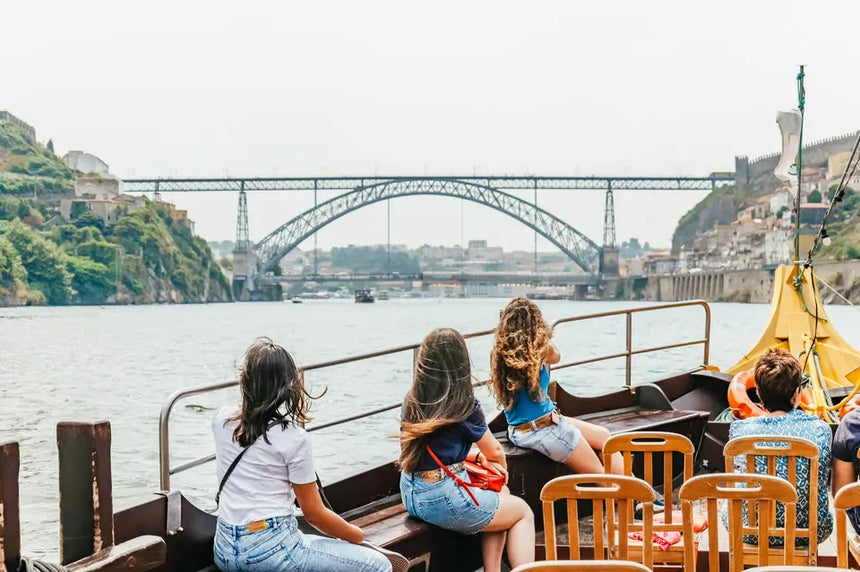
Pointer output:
x,y
257,529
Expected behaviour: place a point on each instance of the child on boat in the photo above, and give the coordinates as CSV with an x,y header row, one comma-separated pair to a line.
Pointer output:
x,y
519,372
264,462
440,412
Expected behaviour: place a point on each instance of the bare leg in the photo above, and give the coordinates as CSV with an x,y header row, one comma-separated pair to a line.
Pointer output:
x,y
492,546
597,436
584,459
515,518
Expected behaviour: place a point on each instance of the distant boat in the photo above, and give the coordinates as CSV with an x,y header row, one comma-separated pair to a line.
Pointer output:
x,y
363,297
382,295
298,301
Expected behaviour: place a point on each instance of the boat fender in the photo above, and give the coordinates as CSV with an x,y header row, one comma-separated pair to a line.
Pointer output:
x,y
739,400
741,404
849,406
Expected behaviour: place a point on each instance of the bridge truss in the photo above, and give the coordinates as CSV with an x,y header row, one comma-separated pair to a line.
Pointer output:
x,y
495,182
582,250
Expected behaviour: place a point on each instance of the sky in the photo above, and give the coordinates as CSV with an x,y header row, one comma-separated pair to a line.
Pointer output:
x,y
276,88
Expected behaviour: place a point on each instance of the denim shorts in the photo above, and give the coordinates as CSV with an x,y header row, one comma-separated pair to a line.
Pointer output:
x,y
556,441
445,503
281,547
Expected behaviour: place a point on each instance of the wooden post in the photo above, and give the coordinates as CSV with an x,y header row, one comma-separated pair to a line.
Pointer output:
x,y
86,499
10,521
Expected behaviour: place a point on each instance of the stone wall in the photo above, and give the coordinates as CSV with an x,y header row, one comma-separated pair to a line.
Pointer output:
x,y
753,286
815,153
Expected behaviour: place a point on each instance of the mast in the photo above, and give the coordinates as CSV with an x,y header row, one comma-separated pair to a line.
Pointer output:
x,y
801,104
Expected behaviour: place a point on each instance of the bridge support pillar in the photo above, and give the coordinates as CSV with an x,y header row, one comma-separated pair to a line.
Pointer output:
x,y
609,262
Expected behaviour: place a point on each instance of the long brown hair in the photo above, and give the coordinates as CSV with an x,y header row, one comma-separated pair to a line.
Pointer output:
x,y
273,390
441,393
521,342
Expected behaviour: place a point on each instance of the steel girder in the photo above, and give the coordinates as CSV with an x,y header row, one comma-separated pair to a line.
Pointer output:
x,y
496,182
582,250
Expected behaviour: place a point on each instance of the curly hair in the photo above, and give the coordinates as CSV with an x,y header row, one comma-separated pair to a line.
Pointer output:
x,y
441,393
521,342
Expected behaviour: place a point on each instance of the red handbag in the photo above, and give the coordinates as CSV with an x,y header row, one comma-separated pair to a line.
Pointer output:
x,y
480,477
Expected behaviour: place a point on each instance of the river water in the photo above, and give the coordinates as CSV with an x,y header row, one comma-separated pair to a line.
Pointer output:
x,y
121,363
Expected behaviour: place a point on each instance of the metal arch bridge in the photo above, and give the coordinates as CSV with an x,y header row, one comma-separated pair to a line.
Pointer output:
x,y
506,182
485,190
570,241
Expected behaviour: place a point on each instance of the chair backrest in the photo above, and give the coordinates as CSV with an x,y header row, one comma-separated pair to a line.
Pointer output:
x,y
847,497
648,443
796,569
583,566
737,488
602,490
793,449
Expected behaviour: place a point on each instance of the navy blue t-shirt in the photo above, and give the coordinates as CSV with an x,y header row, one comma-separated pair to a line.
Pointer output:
x,y
451,443
846,443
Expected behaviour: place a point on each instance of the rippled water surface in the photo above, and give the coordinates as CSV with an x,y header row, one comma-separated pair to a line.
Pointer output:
x,y
121,363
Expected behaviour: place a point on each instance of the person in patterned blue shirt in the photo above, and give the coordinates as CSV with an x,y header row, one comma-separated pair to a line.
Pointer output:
x,y
779,381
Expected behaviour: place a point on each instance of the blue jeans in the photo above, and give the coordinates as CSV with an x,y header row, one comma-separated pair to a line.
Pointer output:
x,y
281,547
445,503
556,441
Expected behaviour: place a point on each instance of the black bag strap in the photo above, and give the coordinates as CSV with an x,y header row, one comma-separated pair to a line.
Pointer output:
x,y
235,462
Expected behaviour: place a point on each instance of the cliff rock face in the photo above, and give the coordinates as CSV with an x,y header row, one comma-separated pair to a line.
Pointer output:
x,y
719,207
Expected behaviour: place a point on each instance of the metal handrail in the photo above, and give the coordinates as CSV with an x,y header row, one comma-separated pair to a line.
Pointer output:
x,y
165,470
629,351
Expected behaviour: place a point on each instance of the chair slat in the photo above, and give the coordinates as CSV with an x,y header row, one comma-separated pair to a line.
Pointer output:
x,y
846,498
599,488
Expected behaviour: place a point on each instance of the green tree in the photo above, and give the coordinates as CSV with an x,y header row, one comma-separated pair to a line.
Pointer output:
x,y
13,275
50,146
814,197
44,261
78,208
93,281
88,219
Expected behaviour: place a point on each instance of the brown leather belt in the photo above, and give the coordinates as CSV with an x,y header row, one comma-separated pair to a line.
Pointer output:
x,y
436,475
539,423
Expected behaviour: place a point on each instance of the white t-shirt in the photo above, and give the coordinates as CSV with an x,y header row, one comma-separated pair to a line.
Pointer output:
x,y
261,484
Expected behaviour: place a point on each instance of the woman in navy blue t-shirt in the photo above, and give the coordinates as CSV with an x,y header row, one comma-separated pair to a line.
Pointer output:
x,y
441,412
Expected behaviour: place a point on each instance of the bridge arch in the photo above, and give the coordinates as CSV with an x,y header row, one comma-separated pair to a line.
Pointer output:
x,y
582,250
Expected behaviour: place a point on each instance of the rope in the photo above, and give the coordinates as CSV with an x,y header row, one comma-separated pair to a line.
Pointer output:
x,y
835,291
35,565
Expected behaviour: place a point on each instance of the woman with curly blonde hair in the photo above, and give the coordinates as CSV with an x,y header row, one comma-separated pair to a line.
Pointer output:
x,y
519,370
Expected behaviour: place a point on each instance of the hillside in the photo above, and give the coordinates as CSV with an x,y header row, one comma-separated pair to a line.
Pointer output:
x,y
148,255
27,168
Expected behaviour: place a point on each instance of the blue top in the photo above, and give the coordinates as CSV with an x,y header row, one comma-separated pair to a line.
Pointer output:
x,y
451,443
795,423
524,409
846,443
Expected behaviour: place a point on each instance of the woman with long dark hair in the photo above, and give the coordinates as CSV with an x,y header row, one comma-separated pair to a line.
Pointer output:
x,y
264,463
441,413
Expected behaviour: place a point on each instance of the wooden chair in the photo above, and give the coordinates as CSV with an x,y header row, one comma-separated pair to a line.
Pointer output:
x,y
737,488
793,449
846,539
796,569
647,444
603,491
583,566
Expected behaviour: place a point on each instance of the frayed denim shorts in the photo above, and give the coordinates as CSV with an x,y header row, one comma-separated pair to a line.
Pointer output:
x,y
445,503
556,441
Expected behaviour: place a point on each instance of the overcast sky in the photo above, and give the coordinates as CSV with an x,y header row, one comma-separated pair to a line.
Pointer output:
x,y
212,88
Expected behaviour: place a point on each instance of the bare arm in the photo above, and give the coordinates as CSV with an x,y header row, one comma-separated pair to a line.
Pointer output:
x,y
553,356
491,454
322,518
843,474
